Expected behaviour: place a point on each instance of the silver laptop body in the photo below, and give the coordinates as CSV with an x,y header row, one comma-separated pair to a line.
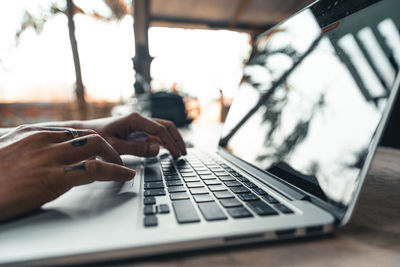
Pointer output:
x,y
299,138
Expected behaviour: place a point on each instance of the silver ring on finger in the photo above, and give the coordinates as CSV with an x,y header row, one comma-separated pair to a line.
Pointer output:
x,y
75,133
71,133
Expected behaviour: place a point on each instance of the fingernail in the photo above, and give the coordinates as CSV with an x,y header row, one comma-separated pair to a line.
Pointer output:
x,y
131,173
153,148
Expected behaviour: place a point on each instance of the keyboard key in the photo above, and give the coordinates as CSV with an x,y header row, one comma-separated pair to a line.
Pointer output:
x,y
261,208
207,172
149,210
152,179
181,162
152,173
250,184
208,176
220,187
153,185
191,179
177,196
185,211
232,183
226,178
176,189
149,200
154,192
174,183
194,184
223,194
212,165
189,174
242,179
203,198
282,208
240,212
199,190
186,171
212,182
199,168
217,169
230,203
221,173
170,173
172,177
167,164
211,211
162,209
150,221
184,167
239,189
271,199
248,197
259,191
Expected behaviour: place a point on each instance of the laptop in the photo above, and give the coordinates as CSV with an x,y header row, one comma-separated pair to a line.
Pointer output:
x,y
297,143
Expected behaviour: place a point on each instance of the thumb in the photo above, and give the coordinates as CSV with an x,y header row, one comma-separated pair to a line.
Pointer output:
x,y
149,148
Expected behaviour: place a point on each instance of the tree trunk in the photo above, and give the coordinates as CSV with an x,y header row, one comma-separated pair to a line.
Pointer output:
x,y
80,89
142,59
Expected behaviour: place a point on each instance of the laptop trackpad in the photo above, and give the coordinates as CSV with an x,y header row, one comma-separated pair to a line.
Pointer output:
x,y
93,199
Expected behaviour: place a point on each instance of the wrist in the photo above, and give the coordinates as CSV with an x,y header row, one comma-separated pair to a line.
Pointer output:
x,y
64,124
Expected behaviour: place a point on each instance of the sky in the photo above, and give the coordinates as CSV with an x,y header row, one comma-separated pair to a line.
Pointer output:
x,y
41,68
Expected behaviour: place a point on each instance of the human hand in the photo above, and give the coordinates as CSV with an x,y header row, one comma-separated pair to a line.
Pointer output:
x,y
159,132
38,164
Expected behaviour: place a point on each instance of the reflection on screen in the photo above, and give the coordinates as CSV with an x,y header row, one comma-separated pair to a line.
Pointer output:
x,y
310,98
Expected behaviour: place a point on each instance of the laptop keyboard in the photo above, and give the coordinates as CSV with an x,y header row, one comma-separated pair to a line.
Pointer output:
x,y
208,183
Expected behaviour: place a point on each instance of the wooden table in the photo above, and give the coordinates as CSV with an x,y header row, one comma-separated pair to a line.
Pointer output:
x,y
372,238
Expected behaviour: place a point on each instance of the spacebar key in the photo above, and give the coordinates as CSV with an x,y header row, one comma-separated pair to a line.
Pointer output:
x,y
185,211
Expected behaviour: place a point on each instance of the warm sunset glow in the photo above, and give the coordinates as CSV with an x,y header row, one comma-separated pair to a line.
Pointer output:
x,y
41,69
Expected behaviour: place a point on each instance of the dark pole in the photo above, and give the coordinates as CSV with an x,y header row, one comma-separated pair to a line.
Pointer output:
x,y
80,89
142,59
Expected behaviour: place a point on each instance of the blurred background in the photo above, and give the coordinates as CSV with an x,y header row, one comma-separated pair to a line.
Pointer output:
x,y
76,59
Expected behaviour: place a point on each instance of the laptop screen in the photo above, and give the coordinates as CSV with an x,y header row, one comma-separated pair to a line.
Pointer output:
x,y
313,93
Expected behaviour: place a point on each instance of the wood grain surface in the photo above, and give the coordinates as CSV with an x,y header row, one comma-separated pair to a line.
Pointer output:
x,y
372,238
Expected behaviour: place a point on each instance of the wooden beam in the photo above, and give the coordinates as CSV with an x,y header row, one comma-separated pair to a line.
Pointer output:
x,y
180,22
239,11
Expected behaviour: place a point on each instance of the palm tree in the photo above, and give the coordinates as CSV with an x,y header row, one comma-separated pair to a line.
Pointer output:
x,y
80,89
118,10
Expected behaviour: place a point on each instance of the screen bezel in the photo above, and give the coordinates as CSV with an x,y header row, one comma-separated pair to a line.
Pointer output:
x,y
341,213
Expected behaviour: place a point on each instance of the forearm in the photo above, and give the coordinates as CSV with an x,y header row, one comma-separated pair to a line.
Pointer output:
x,y
64,124
4,131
